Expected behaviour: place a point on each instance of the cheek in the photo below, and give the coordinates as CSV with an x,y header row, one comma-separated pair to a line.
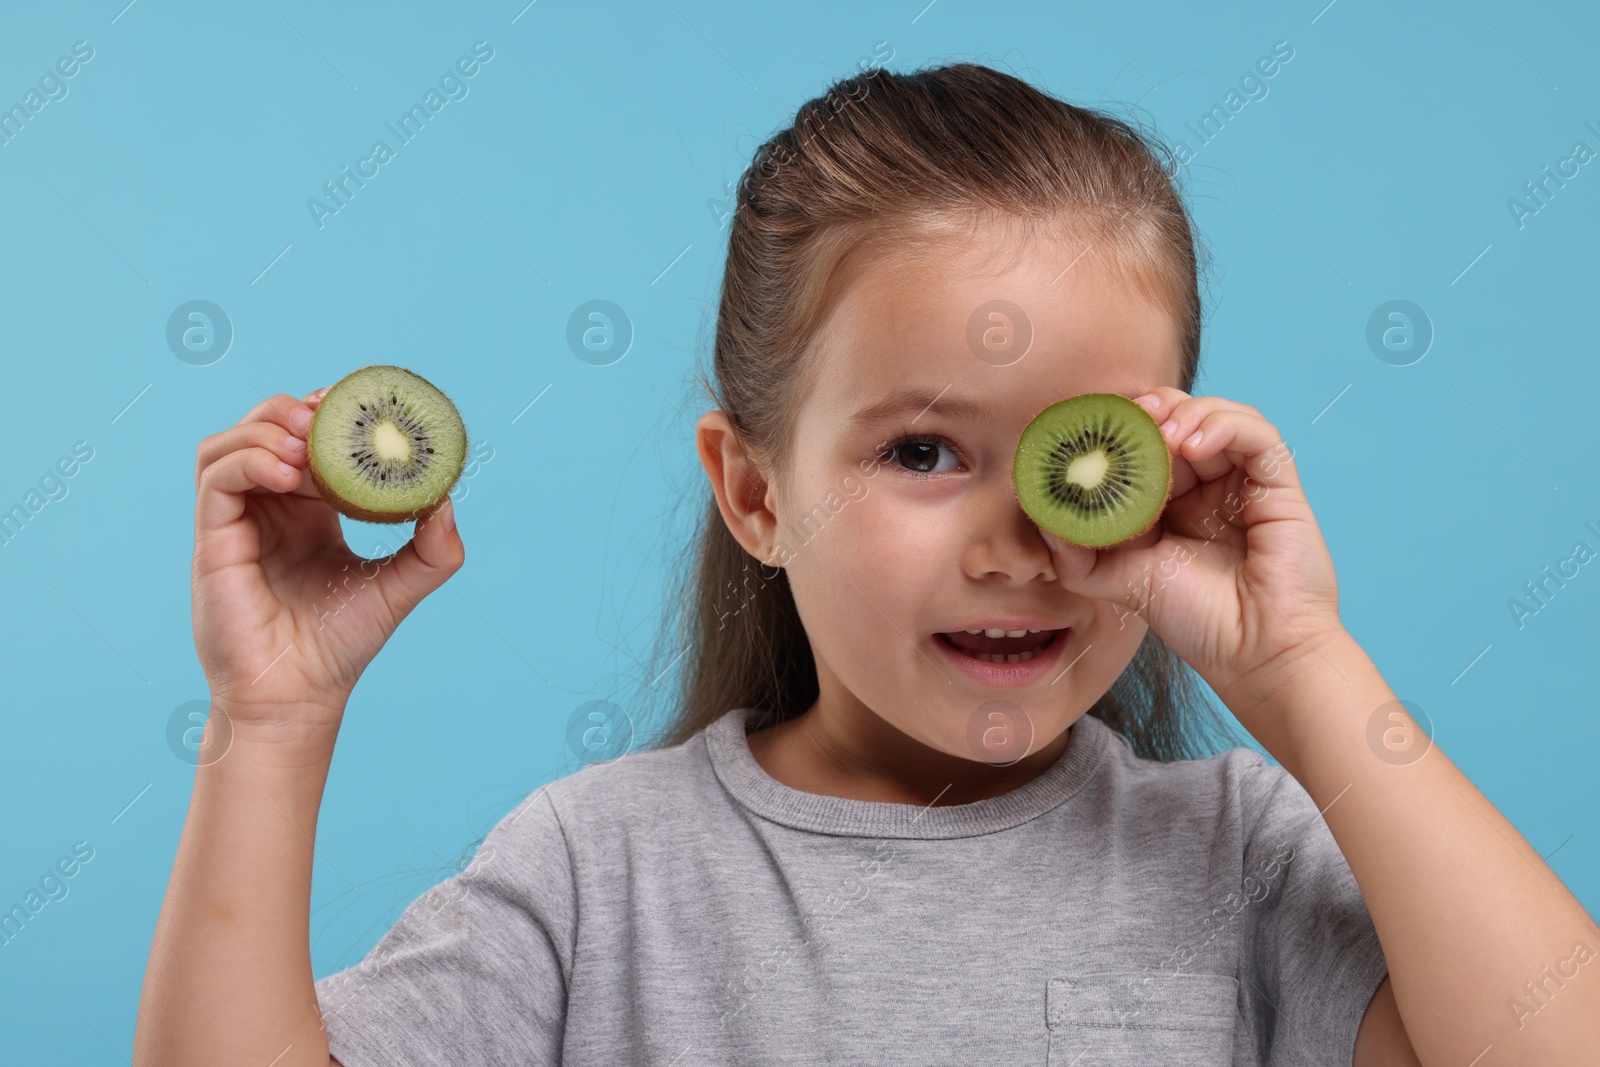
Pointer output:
x,y
1115,634
869,570
1118,625
892,541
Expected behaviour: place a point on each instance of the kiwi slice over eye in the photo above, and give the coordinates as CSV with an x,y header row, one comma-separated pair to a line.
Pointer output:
x,y
385,445
1093,470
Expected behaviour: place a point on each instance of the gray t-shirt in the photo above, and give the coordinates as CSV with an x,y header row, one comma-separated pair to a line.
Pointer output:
x,y
682,907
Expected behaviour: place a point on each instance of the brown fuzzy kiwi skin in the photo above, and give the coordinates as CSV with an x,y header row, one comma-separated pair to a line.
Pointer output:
x,y
360,514
1166,494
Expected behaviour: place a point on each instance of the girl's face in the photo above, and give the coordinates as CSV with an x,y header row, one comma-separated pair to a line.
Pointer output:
x,y
897,521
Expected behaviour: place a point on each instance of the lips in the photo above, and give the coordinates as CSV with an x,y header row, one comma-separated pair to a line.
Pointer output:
x,y
1016,662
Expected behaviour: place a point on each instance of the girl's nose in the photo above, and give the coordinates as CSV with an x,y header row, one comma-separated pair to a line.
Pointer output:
x,y
1012,545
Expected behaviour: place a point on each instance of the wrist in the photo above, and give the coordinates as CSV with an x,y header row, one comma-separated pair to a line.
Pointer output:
x,y
1287,701
288,736
1264,681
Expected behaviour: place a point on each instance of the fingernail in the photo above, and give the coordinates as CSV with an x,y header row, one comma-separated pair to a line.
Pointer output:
x,y
1147,400
285,468
1169,427
449,515
300,418
293,443
1194,438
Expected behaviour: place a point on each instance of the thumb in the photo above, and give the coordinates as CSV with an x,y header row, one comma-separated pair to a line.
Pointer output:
x,y
1118,573
433,554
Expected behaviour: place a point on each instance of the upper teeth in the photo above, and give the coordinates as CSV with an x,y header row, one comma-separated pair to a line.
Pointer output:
x,y
1003,633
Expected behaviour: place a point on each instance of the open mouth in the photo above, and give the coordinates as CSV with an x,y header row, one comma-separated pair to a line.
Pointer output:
x,y
1002,649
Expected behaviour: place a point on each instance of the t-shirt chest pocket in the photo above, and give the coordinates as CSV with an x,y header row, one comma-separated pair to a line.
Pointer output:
x,y
1122,1019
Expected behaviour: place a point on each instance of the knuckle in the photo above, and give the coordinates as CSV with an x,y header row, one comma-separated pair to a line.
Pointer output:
x,y
206,471
268,408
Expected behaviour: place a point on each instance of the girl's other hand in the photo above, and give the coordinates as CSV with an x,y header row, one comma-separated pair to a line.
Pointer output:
x,y
286,617
1235,575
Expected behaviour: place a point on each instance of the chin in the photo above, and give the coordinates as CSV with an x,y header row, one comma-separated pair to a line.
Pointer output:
x,y
995,731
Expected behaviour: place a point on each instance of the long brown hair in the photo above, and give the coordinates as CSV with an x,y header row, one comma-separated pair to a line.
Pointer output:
x,y
879,155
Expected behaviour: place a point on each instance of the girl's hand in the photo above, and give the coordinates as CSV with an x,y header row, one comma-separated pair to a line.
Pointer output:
x,y
1234,575
286,617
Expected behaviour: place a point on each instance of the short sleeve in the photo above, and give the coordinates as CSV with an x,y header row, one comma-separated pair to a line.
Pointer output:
x,y
476,969
1315,960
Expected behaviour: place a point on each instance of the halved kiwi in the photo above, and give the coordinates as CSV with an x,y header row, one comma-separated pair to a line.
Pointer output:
x,y
385,445
1093,470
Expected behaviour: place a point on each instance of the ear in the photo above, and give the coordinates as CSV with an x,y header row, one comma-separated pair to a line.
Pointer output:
x,y
744,496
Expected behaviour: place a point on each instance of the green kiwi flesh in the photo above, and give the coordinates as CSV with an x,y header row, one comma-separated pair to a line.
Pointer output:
x,y
1094,470
385,445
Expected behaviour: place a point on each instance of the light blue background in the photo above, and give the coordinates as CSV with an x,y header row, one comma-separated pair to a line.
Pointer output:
x,y
585,163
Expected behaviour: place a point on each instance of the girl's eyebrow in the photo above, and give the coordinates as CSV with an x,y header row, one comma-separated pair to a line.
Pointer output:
x,y
921,400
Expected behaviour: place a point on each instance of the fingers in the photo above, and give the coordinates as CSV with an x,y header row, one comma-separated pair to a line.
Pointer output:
x,y
282,409
1226,439
284,412
267,425
285,445
1161,401
1231,435
1107,574
223,483
433,554
1179,415
1166,403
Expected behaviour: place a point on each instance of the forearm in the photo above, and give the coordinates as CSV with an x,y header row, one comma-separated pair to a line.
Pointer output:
x,y
1467,912
229,976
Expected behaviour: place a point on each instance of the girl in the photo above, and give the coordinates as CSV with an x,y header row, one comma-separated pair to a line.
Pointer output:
x,y
939,788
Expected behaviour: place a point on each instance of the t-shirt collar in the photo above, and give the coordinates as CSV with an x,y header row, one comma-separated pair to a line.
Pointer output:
x,y
752,786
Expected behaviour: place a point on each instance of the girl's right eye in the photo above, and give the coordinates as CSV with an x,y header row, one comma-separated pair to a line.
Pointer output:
x,y
919,455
